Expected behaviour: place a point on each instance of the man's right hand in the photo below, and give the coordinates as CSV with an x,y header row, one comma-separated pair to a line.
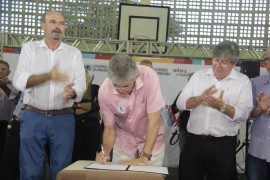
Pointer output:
x,y
102,158
56,75
3,82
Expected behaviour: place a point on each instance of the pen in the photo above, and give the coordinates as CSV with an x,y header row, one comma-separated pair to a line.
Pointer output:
x,y
102,149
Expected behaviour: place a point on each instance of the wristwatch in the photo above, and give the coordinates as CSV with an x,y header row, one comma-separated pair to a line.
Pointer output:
x,y
146,155
223,108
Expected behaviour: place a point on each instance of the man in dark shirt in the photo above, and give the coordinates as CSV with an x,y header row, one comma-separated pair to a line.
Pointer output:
x,y
8,100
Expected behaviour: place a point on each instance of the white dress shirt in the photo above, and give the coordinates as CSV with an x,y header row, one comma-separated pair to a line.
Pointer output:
x,y
37,58
205,120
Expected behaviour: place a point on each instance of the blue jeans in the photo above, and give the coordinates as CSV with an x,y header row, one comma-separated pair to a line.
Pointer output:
x,y
36,130
258,169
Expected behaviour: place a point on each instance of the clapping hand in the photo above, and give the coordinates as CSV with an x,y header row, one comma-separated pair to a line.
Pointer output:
x,y
56,75
263,102
69,92
212,101
3,82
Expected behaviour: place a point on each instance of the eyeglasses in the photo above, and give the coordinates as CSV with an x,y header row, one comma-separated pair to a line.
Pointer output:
x,y
222,61
128,86
267,58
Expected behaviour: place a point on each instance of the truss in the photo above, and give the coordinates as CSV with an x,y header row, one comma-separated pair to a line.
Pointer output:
x,y
134,47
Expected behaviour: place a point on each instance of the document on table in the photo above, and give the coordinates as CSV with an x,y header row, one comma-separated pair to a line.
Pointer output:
x,y
107,166
118,167
150,169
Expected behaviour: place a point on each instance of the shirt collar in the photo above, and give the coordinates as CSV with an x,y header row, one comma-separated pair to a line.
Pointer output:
x,y
43,44
267,80
232,75
114,90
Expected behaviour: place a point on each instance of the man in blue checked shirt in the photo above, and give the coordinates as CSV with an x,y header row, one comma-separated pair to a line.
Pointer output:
x,y
258,160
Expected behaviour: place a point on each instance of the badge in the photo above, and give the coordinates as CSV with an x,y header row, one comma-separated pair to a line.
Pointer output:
x,y
122,109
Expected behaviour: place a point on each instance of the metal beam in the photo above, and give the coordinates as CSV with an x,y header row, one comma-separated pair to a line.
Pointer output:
x,y
140,48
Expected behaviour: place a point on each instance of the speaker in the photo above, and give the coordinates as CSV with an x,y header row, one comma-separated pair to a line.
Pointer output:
x,y
250,68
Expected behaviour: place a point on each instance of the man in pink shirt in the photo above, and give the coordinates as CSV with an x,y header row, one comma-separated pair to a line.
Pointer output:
x,y
130,100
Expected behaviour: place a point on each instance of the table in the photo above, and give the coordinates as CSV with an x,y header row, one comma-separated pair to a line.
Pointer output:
x,y
76,171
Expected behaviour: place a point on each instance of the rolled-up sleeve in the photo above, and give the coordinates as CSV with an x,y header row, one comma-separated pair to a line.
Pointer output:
x,y
245,103
22,71
154,96
104,94
79,80
181,102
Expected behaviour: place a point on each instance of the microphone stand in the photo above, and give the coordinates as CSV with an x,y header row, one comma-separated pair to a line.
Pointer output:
x,y
245,144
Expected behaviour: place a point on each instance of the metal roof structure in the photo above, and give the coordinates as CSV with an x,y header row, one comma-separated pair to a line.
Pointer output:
x,y
134,47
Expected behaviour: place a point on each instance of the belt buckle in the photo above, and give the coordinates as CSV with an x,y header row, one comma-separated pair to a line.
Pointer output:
x,y
205,136
47,113
9,126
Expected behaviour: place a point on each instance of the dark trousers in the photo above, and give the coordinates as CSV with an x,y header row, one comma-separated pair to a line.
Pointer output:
x,y
9,168
207,156
3,128
258,169
87,139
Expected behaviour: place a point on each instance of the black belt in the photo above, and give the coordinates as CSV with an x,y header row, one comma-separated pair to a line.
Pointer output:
x,y
15,118
204,136
68,110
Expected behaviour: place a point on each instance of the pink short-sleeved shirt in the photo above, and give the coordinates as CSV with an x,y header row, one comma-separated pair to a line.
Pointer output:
x,y
129,113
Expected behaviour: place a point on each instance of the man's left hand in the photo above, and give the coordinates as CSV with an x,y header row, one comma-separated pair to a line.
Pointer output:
x,y
214,102
141,161
69,92
3,82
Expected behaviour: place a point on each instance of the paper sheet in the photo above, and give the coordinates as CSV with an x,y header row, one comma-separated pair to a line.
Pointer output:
x,y
107,166
152,169
118,167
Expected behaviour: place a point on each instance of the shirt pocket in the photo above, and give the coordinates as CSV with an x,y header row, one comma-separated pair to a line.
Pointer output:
x,y
232,100
141,111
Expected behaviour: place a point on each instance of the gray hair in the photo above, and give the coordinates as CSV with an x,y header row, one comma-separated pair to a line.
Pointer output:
x,y
122,68
4,62
266,52
43,17
146,62
228,50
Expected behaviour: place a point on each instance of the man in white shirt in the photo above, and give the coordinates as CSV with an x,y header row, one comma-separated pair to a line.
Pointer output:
x,y
219,98
51,75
